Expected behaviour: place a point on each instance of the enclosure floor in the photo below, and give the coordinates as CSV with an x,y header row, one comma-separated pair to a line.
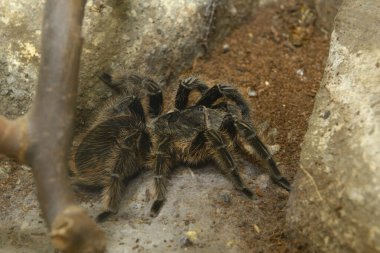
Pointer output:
x,y
261,58
202,205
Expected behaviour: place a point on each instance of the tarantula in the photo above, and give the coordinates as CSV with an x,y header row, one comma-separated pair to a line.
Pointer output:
x,y
122,141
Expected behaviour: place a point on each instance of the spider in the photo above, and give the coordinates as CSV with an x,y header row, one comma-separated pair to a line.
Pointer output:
x,y
129,135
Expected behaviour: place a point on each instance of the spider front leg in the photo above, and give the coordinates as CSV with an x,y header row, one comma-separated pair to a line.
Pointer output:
x,y
162,164
222,90
155,96
184,89
224,161
250,143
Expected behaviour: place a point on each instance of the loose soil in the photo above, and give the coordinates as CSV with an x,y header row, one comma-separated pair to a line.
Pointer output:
x,y
279,71
276,59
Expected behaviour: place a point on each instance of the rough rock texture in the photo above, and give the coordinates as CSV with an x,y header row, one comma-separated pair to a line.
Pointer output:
x,y
159,37
199,216
20,34
335,204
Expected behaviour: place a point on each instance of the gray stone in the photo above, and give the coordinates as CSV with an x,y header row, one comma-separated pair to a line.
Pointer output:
x,y
160,38
335,203
193,218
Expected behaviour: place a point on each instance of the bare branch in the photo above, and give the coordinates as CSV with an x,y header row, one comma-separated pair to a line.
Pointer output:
x,y
42,138
13,138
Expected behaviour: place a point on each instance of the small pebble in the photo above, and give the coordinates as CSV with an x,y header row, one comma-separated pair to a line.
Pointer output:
x,y
272,134
257,229
262,181
4,172
26,167
274,149
226,48
185,242
326,115
226,198
300,72
251,92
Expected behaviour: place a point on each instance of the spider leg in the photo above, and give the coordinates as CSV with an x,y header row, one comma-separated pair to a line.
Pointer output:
x,y
155,96
221,106
106,157
153,90
107,80
117,85
222,90
123,162
184,89
162,165
250,143
137,109
224,161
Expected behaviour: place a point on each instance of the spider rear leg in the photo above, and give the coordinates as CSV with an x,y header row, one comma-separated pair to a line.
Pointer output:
x,y
107,156
224,161
124,164
221,106
152,89
222,90
108,80
250,143
184,89
162,165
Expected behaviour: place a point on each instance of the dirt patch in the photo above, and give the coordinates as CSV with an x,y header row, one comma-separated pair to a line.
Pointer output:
x,y
277,60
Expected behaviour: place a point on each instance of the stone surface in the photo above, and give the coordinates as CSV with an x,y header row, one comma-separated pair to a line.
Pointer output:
x,y
335,205
19,54
160,37
195,218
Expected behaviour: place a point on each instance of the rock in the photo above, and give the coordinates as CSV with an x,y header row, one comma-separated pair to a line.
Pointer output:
x,y
274,149
185,242
225,197
226,48
251,92
335,202
160,38
5,169
262,181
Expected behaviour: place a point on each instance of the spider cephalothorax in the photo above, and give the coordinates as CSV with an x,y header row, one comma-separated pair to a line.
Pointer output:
x,y
123,141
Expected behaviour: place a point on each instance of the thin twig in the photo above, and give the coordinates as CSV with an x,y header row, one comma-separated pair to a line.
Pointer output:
x,y
42,138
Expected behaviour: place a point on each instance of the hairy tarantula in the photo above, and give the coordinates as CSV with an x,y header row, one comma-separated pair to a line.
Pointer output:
x,y
122,141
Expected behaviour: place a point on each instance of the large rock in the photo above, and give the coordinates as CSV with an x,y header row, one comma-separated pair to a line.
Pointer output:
x,y
159,37
335,205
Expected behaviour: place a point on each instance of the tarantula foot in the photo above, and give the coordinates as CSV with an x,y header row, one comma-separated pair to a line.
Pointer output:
x,y
156,207
247,192
104,216
282,182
